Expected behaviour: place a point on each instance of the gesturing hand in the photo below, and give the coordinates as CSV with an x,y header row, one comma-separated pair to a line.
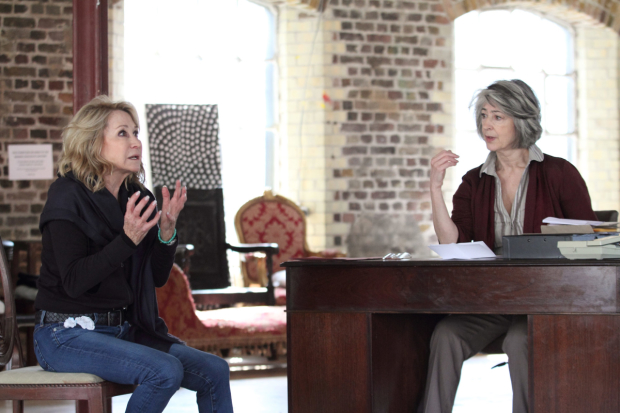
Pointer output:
x,y
440,162
136,226
170,209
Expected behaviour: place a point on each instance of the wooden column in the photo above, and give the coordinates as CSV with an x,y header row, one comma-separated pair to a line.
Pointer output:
x,y
90,50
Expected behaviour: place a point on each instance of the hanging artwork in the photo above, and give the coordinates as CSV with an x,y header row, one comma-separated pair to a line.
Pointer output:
x,y
184,144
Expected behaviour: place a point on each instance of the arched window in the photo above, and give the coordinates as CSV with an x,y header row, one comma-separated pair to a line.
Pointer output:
x,y
211,52
514,44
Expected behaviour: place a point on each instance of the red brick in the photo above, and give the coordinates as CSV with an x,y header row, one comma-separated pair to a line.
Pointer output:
x,y
21,59
55,134
54,23
52,121
350,218
18,22
56,85
19,71
19,96
66,97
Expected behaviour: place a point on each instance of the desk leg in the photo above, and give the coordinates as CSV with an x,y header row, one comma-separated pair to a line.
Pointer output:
x,y
357,362
574,363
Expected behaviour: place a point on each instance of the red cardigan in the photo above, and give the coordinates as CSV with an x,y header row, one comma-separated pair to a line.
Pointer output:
x,y
555,189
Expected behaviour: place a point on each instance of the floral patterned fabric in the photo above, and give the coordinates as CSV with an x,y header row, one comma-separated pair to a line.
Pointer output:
x,y
272,221
255,329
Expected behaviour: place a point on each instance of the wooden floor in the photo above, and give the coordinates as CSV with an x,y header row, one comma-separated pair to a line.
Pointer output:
x,y
482,390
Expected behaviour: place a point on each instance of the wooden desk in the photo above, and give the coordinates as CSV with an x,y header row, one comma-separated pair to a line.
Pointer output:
x,y
359,331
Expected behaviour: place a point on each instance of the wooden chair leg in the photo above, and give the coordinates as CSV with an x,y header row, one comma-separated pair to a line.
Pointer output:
x,y
81,406
273,352
95,404
18,406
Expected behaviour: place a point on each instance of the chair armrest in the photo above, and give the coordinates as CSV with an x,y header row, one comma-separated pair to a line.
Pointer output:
x,y
230,295
182,256
328,253
267,248
270,249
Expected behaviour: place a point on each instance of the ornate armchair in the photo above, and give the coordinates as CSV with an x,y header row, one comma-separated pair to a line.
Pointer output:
x,y
201,226
273,218
255,330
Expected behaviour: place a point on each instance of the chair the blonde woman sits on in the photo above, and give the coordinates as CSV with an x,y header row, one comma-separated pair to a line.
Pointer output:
x,y
17,383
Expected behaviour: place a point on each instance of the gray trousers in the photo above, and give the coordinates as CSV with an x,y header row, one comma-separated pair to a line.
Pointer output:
x,y
459,337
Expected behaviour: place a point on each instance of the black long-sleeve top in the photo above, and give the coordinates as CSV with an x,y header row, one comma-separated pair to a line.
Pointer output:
x,y
77,276
90,265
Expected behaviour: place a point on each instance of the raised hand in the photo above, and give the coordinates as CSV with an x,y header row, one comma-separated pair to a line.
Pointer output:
x,y
136,227
170,209
440,162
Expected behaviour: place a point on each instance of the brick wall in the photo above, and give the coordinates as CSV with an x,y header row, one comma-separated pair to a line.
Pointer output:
x,y
386,98
35,100
304,121
387,104
366,96
599,122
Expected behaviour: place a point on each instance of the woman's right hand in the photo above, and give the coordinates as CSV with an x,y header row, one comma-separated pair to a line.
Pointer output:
x,y
136,227
440,162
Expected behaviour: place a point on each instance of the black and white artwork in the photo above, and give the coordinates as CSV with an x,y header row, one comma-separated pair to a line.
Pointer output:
x,y
184,144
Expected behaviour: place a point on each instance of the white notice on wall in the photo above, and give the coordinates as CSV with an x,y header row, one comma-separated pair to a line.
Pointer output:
x,y
30,162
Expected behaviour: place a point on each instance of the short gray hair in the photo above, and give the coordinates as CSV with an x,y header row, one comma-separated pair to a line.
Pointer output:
x,y
517,100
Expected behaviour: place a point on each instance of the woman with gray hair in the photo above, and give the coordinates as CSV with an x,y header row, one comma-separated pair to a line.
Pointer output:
x,y
510,194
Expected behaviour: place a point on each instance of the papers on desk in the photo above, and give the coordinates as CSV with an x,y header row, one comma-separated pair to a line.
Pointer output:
x,y
562,221
575,226
463,250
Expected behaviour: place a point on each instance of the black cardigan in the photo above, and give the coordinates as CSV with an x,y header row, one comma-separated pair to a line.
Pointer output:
x,y
90,265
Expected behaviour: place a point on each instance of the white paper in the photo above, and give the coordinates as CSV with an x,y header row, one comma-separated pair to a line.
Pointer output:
x,y
463,250
30,162
562,221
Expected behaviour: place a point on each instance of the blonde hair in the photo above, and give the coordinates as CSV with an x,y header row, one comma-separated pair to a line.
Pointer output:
x,y
82,141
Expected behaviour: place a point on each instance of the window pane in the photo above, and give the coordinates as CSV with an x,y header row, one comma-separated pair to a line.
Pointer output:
x,y
526,50
559,105
555,42
472,151
270,99
495,47
562,146
467,41
466,87
270,149
488,76
258,21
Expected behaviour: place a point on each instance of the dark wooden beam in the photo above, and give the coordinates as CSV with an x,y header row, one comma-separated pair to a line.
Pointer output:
x,y
90,50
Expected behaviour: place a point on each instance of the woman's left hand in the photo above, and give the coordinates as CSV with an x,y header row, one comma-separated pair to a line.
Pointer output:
x,y
170,209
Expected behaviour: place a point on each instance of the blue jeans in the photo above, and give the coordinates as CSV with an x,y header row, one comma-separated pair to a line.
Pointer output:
x,y
105,353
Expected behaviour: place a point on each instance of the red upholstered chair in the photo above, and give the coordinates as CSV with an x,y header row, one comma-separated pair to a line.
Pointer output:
x,y
255,330
276,219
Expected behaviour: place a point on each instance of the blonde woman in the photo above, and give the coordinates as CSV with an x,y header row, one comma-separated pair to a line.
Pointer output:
x,y
106,247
